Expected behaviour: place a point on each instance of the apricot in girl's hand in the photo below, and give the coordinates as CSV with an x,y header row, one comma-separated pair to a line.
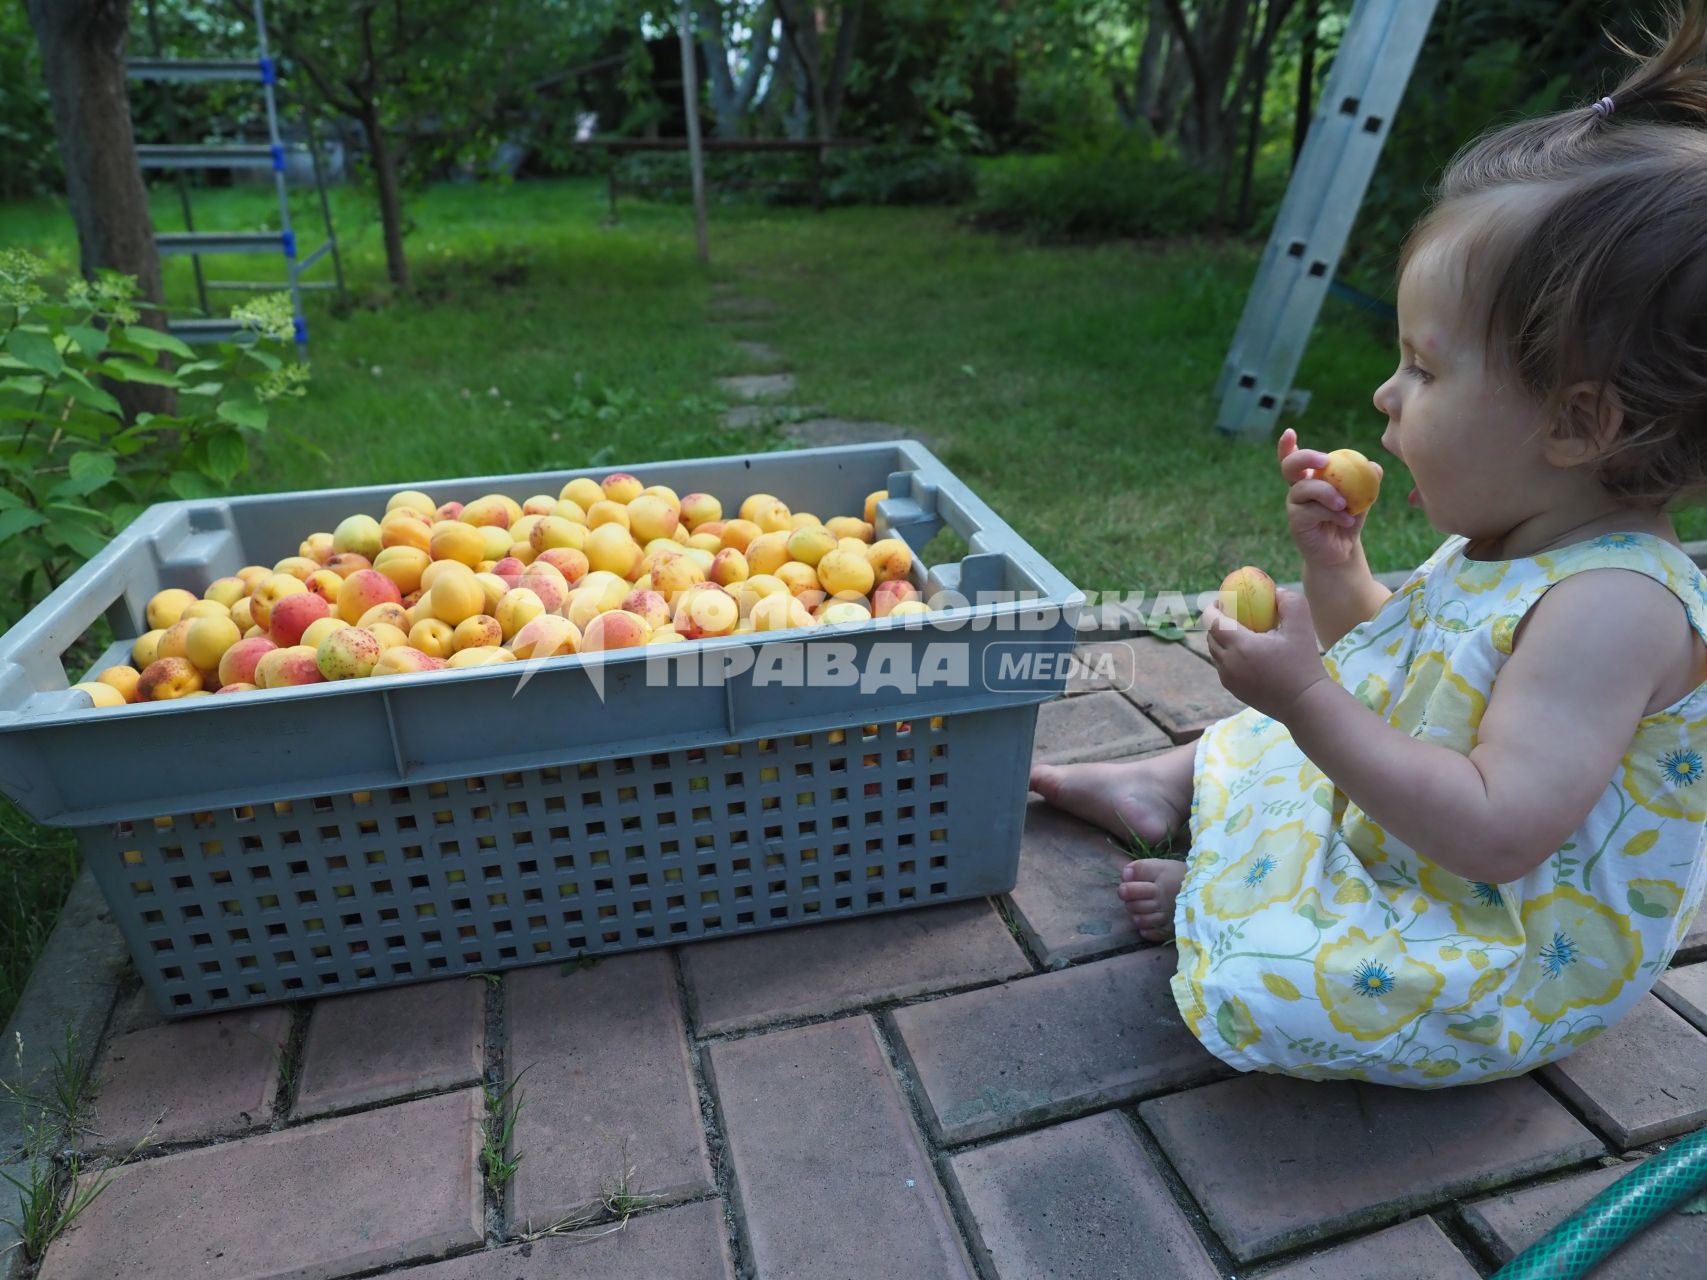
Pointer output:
x,y
1251,593
1355,476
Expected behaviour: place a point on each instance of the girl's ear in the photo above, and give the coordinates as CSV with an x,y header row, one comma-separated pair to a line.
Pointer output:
x,y
1590,418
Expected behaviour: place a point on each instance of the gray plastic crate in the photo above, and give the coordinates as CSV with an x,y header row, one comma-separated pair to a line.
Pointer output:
x,y
359,834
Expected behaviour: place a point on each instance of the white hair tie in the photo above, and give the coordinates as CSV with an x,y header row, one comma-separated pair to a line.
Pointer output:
x,y
1604,107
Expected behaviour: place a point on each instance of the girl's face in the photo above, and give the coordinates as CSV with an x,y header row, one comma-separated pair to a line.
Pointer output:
x,y
1471,436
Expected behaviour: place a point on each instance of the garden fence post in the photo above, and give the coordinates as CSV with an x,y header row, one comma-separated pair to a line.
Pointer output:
x,y
1353,117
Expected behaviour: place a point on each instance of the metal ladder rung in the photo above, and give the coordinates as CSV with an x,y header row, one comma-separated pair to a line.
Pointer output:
x,y
268,286
246,156
171,242
200,69
211,330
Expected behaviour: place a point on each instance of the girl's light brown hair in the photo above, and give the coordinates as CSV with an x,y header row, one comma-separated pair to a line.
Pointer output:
x,y
1582,238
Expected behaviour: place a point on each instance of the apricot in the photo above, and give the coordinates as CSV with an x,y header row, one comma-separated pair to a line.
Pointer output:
x,y
456,597
348,654
570,510
810,544
123,679
208,640
780,613
269,593
546,636
871,501
1355,476
676,574
390,612
775,518
843,613
768,552
242,614
493,509
706,611
176,642
440,568
728,567
845,571
447,511
104,696
610,548
740,534
326,584
620,487
479,632
298,567
401,660
411,500
167,678
480,656
583,492
1247,596
205,609
908,608
238,686
433,638
547,583
651,516
617,629
404,565
572,564
358,533
344,563
295,614
752,504
284,668
889,559
318,631
147,647
605,512
699,508
850,527
517,608
886,595
707,542
364,589
454,540
226,591
166,607
405,529
649,605
540,504
238,664
388,635
799,578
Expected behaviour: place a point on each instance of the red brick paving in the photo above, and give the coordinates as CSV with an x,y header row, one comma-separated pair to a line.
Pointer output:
x,y
388,1044
1064,901
145,1087
1277,1163
1097,726
1668,1096
832,1180
1177,689
1414,1250
828,968
1056,1045
605,1086
1685,990
325,1199
1076,1200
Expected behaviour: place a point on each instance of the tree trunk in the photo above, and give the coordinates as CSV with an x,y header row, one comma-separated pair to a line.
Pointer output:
x,y
1306,107
83,46
390,199
1150,63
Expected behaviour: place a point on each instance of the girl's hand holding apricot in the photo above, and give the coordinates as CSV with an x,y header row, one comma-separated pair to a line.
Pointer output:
x,y
1325,531
1267,670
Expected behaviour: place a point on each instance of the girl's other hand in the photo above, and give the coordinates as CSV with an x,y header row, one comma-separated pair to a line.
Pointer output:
x,y
1315,512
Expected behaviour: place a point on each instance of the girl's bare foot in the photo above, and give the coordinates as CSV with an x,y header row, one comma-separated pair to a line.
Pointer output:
x,y
1149,798
1148,887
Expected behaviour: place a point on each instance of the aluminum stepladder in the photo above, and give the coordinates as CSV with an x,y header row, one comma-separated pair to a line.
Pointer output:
x,y
262,71
1353,117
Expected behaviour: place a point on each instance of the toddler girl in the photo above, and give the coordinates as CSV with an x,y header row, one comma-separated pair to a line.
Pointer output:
x,y
1468,839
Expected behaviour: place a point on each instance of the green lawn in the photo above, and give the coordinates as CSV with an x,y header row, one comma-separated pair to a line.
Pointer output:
x,y
1072,387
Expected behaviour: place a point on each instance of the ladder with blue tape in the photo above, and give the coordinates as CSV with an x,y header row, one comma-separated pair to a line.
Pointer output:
x,y
271,155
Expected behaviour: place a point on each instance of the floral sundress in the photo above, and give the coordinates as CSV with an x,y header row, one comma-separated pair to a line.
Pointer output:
x,y
1315,944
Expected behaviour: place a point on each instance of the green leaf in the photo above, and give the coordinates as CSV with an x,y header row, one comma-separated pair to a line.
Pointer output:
x,y
140,335
22,385
36,350
90,470
132,371
18,519
90,340
191,484
244,413
92,395
227,455
78,535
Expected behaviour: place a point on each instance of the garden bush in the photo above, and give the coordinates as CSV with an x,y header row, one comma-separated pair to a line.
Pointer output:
x,y
889,174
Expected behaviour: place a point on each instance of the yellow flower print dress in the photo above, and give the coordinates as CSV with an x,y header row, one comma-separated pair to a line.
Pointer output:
x,y
1313,943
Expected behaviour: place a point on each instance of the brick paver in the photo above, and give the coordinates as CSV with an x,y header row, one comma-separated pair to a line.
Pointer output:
x,y
1096,726
1414,1250
1685,990
1053,1045
1177,689
1644,1079
1104,665
1671,1247
607,1093
325,1199
388,1044
199,1078
1064,900
1277,1163
684,1242
832,1181
828,968
1076,1200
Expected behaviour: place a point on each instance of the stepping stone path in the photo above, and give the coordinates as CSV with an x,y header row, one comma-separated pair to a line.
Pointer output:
x,y
762,396
1000,1088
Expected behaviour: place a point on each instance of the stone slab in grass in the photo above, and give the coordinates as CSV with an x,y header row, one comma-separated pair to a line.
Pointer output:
x,y
1673,1246
606,1091
736,307
1064,901
1414,1250
758,352
1685,990
1053,1045
1277,1163
757,386
736,983
377,1045
684,1242
831,1179
1096,726
332,1198
1076,1200
197,1078
1642,1079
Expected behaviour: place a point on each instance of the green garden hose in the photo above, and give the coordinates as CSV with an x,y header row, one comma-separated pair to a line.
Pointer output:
x,y
1654,1188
